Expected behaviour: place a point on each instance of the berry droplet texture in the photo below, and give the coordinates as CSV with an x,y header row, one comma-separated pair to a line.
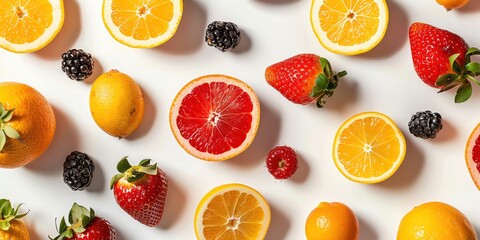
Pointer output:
x,y
78,171
425,124
282,162
224,36
77,64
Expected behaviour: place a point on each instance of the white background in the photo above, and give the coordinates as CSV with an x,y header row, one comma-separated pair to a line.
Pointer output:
x,y
381,80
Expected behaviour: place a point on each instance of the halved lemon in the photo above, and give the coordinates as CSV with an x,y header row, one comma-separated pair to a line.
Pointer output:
x,y
29,25
368,148
232,212
142,23
349,27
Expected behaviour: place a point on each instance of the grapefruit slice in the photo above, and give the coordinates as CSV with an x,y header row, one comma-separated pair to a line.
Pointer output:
x,y
368,148
472,155
215,117
232,212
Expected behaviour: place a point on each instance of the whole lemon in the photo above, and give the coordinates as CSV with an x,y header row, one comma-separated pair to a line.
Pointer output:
x,y
452,4
332,221
435,221
116,103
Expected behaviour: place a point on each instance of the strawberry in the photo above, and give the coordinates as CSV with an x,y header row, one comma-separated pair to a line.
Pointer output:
x,y
84,225
140,190
304,78
442,59
282,162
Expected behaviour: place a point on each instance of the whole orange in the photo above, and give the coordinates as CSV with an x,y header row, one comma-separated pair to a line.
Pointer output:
x,y
332,221
32,118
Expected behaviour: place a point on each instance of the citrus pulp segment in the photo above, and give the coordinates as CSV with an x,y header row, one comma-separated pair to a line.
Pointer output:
x,y
349,27
215,117
27,25
142,24
232,212
368,148
472,155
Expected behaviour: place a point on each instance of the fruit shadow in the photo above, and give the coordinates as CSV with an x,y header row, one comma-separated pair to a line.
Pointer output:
x,y
65,141
303,170
410,169
148,117
190,33
265,139
97,71
279,225
32,231
344,96
68,34
395,36
175,204
448,132
366,231
245,43
118,231
471,7
98,183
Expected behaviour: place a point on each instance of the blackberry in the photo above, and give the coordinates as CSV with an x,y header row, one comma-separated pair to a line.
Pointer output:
x,y
78,171
425,124
224,36
77,64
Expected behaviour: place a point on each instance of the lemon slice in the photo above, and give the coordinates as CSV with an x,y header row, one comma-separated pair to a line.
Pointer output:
x,y
368,148
232,212
27,25
349,27
142,24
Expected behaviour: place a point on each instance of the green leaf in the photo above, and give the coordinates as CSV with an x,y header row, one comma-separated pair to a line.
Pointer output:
x,y
150,170
326,67
7,115
123,165
92,213
464,92
2,109
316,92
446,79
473,67
321,82
68,234
342,74
136,176
11,132
115,179
145,162
4,225
76,213
3,140
455,67
473,51
85,221
63,226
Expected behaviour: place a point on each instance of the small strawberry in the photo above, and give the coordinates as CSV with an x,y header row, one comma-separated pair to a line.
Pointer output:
x,y
282,162
304,78
10,225
442,59
84,225
140,190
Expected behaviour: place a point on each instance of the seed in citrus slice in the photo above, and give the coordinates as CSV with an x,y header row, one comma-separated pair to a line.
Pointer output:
x,y
142,24
472,155
29,25
232,212
349,27
215,117
368,148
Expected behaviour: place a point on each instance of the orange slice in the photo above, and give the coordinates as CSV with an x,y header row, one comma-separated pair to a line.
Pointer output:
x,y
368,148
349,26
232,212
29,25
142,23
215,117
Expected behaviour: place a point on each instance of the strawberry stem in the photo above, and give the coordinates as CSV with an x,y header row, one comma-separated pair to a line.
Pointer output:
x,y
325,83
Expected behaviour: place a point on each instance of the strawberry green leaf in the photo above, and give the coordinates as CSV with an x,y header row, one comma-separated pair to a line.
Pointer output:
x,y
76,213
473,79
85,221
446,79
63,226
473,67
92,213
449,86
11,132
135,176
342,74
3,140
316,92
68,234
123,165
464,92
473,51
321,82
115,179
145,162
326,67
453,64
150,170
